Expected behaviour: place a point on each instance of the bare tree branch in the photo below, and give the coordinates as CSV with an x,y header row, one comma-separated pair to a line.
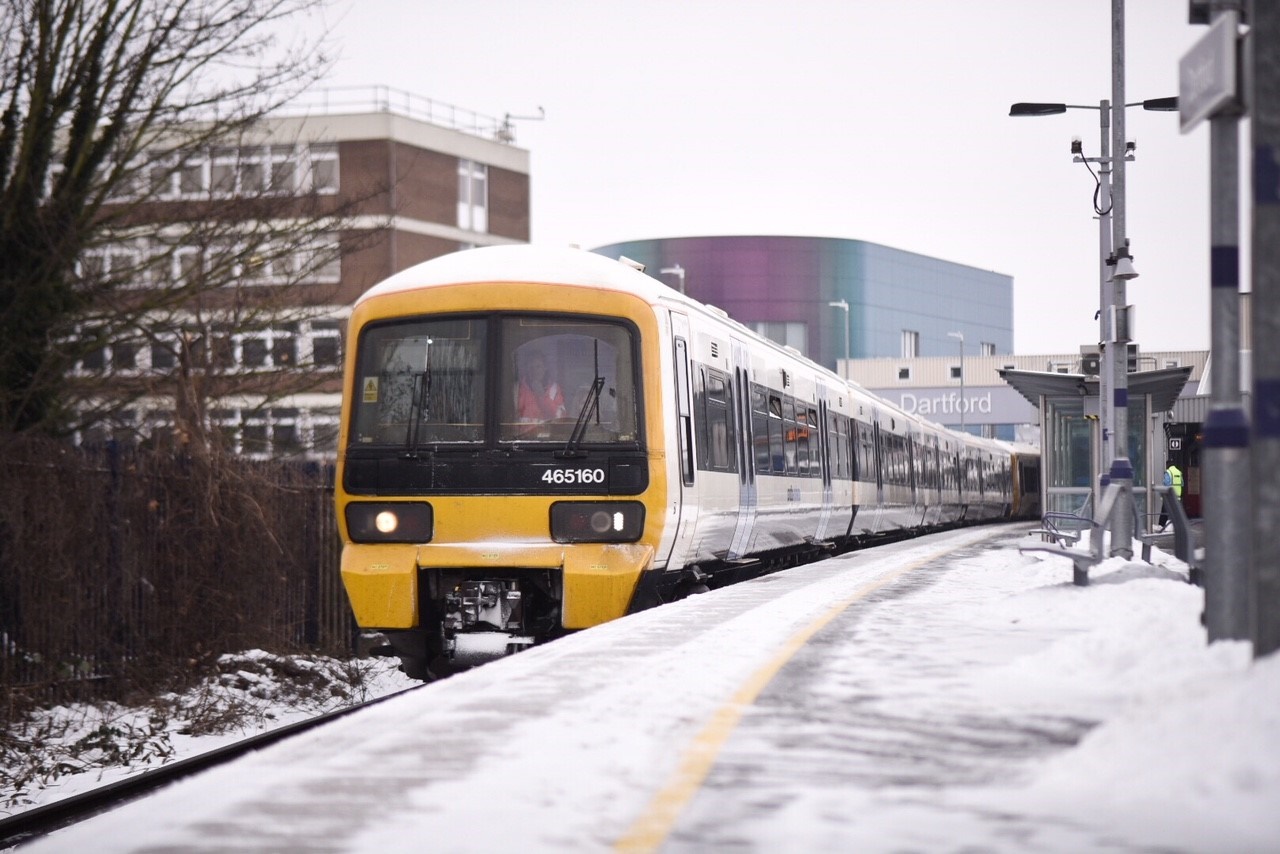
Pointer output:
x,y
104,102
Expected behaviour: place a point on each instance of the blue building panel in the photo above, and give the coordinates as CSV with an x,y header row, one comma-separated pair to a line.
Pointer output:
x,y
780,282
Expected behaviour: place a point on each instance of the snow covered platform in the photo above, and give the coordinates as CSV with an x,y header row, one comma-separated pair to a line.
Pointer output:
x,y
947,693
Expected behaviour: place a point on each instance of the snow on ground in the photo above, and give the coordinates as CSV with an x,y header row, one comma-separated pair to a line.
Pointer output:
x,y
73,748
978,703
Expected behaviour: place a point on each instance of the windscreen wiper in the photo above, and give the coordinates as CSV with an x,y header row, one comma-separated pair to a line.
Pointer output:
x,y
590,405
419,402
420,407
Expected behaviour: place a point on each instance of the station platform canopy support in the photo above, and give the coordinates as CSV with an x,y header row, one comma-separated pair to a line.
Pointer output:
x,y
1073,468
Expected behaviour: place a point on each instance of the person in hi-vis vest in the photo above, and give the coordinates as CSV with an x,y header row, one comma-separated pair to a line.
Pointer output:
x,y
1173,480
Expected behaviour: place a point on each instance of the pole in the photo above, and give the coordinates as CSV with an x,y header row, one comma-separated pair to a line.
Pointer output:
x,y
1121,469
846,331
1105,412
1264,22
1226,431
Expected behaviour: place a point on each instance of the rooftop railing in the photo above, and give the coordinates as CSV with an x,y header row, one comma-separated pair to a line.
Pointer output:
x,y
386,99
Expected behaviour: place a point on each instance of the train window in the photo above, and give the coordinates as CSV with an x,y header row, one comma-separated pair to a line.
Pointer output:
x,y
778,462
790,430
421,382
434,381
714,407
812,449
558,375
835,441
865,461
760,428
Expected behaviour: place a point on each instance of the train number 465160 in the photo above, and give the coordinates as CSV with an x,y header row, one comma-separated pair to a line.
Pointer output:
x,y
569,476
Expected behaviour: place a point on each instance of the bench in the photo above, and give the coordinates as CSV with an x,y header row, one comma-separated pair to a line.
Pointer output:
x,y
1081,561
1185,547
1065,529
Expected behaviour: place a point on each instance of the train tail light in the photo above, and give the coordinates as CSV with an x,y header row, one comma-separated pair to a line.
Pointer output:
x,y
597,521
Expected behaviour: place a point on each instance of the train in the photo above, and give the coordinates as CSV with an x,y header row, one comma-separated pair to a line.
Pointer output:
x,y
538,440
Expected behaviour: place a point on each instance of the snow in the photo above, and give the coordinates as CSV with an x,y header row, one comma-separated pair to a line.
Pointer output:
x,y
945,694
78,747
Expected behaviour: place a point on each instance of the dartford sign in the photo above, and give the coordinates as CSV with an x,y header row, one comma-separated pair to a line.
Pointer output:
x,y
981,404
947,404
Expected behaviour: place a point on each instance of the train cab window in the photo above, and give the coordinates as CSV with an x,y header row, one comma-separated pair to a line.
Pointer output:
x,y
421,382
558,375
441,381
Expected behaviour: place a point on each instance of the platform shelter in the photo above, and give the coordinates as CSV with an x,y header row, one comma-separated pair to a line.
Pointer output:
x,y
1071,434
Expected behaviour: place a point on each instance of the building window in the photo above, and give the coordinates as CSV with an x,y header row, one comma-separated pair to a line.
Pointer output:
x,y
910,344
324,168
473,196
313,343
278,431
1171,363
986,348
248,171
955,372
326,343
904,373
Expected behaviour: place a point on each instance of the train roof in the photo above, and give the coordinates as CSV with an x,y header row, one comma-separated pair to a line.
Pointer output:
x,y
529,263
526,263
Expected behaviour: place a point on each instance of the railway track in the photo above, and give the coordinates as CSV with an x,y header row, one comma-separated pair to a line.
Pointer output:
x,y
46,819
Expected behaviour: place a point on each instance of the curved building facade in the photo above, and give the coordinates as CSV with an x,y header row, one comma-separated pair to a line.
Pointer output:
x,y
900,304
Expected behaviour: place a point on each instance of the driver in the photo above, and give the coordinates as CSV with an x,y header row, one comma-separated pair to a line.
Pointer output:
x,y
538,397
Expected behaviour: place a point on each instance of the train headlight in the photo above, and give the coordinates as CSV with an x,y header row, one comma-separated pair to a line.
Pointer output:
x,y
597,521
390,522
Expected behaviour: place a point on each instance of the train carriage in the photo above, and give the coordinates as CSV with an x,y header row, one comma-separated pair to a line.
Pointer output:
x,y
535,441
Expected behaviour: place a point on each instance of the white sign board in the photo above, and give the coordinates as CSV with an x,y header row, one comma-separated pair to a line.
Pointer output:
x,y
1207,73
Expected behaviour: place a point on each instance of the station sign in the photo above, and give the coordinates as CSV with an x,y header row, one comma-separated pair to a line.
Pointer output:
x,y
1207,78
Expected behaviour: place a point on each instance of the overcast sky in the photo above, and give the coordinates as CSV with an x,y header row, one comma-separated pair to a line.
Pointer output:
x,y
879,121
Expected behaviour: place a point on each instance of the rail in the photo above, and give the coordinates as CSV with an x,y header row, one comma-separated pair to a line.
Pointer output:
x,y
338,100
43,820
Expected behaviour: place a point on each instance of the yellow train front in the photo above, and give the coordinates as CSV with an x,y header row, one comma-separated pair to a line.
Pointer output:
x,y
501,458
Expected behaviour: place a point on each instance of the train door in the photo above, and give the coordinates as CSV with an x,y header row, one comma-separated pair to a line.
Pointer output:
x,y
877,443
747,496
913,467
682,493
824,455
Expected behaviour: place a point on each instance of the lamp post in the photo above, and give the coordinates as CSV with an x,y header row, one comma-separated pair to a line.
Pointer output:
x,y
1109,267
844,305
1116,269
674,270
960,335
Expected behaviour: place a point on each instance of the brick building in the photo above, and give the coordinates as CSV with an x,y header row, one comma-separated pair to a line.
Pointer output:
x,y
413,179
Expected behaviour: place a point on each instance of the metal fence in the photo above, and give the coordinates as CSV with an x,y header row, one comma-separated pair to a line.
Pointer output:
x,y
132,566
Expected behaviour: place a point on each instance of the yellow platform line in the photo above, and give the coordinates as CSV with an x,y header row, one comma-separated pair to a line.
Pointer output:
x,y
652,828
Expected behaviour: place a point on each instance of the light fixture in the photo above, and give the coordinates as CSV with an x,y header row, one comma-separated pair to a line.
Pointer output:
x,y
1124,269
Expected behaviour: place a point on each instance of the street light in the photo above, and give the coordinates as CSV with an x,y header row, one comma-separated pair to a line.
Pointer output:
x,y
843,304
1115,269
960,335
674,270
